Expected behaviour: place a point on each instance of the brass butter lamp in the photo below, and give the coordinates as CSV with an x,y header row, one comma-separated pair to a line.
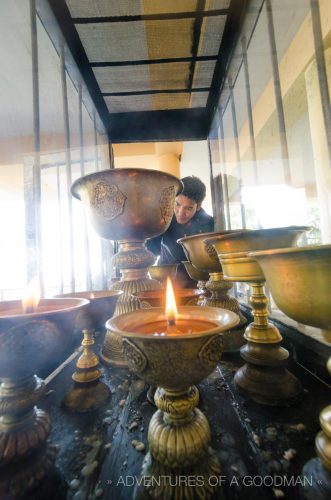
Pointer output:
x,y
203,257
299,280
89,392
122,206
264,378
175,351
29,343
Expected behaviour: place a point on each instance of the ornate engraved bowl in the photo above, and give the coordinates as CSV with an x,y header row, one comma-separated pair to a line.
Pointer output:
x,y
129,204
101,307
300,283
29,342
232,249
157,298
161,273
173,361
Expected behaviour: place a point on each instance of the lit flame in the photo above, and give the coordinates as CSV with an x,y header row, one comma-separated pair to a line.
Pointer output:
x,y
31,296
171,307
92,296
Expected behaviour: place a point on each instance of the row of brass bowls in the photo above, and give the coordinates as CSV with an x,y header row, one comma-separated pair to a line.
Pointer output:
x,y
233,249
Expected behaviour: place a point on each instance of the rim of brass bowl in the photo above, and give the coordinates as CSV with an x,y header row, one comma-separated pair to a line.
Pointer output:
x,y
118,170
86,294
124,324
180,293
291,250
234,242
68,304
303,296
194,273
203,260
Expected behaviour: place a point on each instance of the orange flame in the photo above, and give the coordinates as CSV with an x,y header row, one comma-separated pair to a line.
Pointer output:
x,y
92,296
31,296
171,307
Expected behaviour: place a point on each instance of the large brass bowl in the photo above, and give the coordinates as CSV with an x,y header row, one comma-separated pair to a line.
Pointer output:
x,y
232,249
157,298
174,361
129,204
30,343
101,307
300,282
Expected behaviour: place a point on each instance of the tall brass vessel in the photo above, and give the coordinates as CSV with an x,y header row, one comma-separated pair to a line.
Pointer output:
x,y
29,344
128,205
179,433
264,378
202,255
299,280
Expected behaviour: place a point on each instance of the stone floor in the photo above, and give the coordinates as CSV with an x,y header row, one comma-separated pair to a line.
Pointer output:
x,y
256,445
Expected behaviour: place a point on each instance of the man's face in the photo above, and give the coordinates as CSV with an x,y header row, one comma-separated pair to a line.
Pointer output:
x,y
185,209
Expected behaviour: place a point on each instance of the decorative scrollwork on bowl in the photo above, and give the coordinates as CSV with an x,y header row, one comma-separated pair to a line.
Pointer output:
x,y
167,203
137,361
211,351
108,200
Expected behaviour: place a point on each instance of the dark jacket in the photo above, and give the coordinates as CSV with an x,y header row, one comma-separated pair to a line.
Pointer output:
x,y
170,251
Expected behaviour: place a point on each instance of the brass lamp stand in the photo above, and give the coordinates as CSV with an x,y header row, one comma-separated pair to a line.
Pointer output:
x,y
320,468
88,392
178,433
122,207
264,378
299,280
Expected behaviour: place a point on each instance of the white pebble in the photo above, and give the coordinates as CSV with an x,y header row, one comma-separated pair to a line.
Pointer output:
x,y
88,469
289,454
74,484
140,446
132,426
278,493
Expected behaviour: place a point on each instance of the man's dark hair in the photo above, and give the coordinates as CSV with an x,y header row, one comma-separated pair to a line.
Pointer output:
x,y
194,188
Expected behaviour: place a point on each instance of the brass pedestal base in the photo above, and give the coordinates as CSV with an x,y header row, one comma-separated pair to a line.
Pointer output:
x,y
178,437
264,378
133,259
17,480
167,483
218,289
25,457
88,392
